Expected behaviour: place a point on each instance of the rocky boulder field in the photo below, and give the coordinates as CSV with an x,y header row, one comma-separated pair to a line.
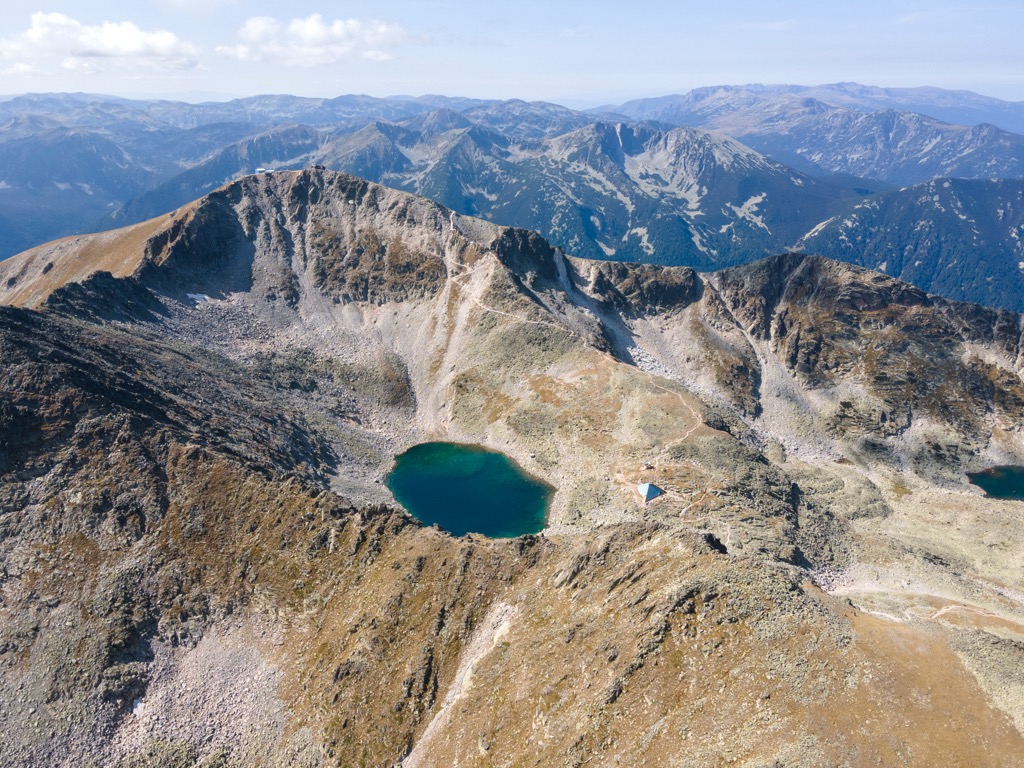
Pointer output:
x,y
201,563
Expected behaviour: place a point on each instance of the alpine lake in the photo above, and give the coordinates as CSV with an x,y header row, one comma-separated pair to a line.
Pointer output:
x,y
1000,482
469,489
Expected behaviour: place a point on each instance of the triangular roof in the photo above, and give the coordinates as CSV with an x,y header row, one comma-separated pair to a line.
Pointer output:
x,y
649,491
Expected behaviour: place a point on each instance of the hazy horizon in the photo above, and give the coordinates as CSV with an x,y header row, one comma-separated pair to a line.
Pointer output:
x,y
201,50
579,104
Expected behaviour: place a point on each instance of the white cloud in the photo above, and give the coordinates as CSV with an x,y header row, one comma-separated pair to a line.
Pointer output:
x,y
20,68
90,47
311,41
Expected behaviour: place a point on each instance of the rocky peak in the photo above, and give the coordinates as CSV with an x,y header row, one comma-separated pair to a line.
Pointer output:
x,y
439,121
643,289
202,565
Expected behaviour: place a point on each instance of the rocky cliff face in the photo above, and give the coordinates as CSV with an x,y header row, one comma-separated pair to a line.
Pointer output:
x,y
202,567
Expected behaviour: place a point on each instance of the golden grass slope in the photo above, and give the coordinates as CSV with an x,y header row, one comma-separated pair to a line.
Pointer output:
x,y
866,611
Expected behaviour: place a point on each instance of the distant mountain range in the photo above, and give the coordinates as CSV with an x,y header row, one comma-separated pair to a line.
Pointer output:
x,y
959,238
712,178
628,191
958,107
812,131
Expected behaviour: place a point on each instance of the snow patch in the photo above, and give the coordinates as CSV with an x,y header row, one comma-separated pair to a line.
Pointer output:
x,y
748,211
645,241
659,174
818,228
698,242
602,184
929,147
198,298
471,191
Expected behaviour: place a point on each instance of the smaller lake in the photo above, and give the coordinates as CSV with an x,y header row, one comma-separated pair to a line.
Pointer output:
x,y
1000,482
469,489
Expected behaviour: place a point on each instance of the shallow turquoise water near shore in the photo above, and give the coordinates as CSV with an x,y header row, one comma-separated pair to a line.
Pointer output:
x,y
1000,482
469,489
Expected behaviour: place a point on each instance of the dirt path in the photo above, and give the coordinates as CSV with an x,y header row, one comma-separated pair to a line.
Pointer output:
x,y
698,422
913,613
473,295
491,632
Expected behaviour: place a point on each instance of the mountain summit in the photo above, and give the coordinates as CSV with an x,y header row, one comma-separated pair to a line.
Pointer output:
x,y
201,565
713,178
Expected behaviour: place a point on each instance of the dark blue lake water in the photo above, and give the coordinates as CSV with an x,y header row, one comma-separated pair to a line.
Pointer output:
x,y
469,489
1000,482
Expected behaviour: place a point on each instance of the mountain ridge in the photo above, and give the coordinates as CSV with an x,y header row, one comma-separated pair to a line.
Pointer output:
x,y
939,235
595,191
893,145
951,106
534,165
203,565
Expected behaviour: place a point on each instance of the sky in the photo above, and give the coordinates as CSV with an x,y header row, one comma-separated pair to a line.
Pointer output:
x,y
577,54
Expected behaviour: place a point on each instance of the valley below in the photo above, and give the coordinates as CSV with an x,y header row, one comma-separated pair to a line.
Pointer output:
x,y
201,563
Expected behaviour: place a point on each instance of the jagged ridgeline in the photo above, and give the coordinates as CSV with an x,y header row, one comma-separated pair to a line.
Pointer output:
x,y
714,178
202,565
601,190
